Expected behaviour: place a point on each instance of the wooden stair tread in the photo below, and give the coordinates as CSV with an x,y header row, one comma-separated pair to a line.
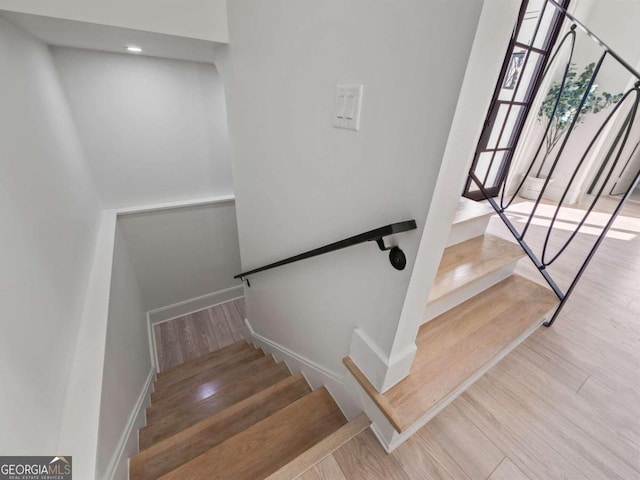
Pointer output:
x,y
470,209
202,364
458,344
471,260
236,360
197,391
322,449
265,447
211,356
186,445
184,416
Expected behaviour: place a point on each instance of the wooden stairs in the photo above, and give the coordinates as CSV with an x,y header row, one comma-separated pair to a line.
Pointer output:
x,y
237,414
478,310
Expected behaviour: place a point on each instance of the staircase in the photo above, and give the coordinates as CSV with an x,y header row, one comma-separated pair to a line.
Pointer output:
x,y
478,310
237,414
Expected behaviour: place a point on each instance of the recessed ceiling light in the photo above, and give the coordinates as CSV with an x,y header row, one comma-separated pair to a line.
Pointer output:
x,y
133,49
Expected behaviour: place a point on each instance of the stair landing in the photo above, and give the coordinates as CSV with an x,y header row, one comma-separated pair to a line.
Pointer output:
x,y
459,346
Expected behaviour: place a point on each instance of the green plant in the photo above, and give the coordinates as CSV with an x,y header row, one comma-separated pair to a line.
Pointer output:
x,y
568,104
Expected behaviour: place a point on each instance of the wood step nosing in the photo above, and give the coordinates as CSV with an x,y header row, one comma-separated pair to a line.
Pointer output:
x,y
378,398
322,449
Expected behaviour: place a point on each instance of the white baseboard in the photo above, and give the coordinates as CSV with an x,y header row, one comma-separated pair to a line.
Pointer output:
x,y
316,374
186,307
128,444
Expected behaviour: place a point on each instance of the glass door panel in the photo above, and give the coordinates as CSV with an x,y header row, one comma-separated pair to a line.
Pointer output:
x,y
534,35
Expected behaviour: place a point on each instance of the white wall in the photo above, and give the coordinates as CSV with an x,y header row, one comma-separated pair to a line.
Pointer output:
x,y
154,130
182,253
203,19
616,23
300,183
48,219
127,364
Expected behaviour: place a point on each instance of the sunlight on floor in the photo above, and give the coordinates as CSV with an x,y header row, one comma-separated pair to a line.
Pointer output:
x,y
624,228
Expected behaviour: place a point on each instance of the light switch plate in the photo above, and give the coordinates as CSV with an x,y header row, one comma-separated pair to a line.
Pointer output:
x,y
347,104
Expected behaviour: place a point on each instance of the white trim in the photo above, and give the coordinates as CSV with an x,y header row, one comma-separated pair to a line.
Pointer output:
x,y
315,374
176,204
134,420
381,370
153,351
319,368
80,425
187,307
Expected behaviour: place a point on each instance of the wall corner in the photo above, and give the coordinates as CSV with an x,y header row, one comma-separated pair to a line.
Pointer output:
x,y
381,370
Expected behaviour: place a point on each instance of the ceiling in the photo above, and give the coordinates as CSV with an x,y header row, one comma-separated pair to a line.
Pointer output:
x,y
71,33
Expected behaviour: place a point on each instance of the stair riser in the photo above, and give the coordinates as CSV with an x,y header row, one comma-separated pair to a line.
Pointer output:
x,y
461,232
463,294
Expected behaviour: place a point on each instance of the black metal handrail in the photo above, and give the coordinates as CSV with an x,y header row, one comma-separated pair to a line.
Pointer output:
x,y
396,256
611,160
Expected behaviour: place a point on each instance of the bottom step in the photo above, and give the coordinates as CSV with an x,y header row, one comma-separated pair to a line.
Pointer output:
x,y
270,444
322,449
186,445
457,347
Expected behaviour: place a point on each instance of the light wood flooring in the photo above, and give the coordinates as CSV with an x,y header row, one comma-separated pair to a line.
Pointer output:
x,y
199,333
563,405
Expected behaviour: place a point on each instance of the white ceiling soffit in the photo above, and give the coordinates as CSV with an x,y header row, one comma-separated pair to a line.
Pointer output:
x,y
201,19
69,33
